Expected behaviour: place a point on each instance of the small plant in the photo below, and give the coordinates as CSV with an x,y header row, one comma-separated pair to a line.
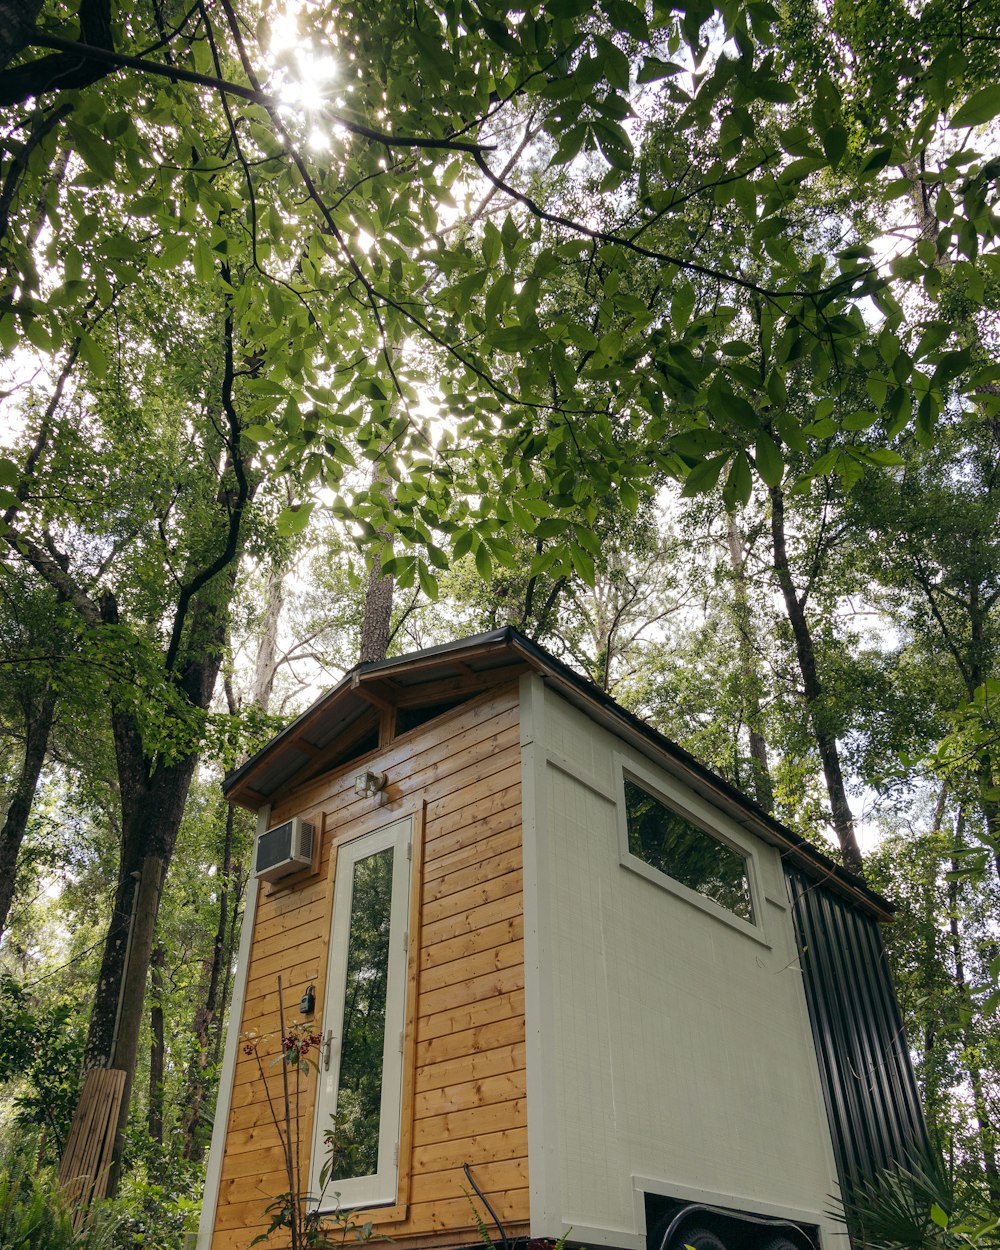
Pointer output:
x,y
34,1215
914,1208
296,1213
505,1243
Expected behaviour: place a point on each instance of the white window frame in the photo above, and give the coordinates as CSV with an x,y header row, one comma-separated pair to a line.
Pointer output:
x,y
380,1188
660,789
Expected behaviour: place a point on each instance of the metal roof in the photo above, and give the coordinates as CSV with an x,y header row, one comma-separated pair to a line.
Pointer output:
x,y
296,753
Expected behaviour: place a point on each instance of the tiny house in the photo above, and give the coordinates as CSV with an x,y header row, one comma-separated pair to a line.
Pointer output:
x,y
554,964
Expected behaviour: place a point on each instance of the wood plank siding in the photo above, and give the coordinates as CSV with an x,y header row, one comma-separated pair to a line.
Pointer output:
x,y
464,1094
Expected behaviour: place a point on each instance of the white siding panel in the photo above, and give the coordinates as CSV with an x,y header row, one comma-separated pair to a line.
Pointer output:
x,y
682,1050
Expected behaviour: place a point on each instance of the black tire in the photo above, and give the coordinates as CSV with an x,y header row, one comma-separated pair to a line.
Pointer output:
x,y
698,1237
781,1242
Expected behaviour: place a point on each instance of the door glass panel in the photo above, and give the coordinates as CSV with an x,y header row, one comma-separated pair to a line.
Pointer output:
x,y
359,1093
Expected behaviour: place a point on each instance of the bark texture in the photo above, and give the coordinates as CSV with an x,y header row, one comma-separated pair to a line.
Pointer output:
x,y
815,696
39,714
17,22
751,684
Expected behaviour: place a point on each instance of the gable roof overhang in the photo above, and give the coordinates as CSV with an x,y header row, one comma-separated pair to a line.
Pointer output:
x,y
462,668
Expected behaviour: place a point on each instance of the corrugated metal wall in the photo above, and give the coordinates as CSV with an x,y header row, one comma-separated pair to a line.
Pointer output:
x,y
868,1081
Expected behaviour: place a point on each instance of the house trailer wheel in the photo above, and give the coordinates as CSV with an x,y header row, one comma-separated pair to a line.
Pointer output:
x,y
781,1242
698,1237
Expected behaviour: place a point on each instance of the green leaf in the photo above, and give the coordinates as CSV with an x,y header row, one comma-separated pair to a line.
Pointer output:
x,y
834,142
703,477
491,243
293,519
501,36
653,69
739,483
582,562
484,562
729,407
627,17
428,582
770,464
204,261
92,352
96,150
615,145
981,107
937,1214
681,306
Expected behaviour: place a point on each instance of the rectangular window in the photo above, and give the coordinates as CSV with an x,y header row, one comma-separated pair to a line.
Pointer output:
x,y
670,843
361,1064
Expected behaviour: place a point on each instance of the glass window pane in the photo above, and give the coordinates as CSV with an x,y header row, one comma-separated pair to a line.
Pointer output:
x,y
359,1090
666,841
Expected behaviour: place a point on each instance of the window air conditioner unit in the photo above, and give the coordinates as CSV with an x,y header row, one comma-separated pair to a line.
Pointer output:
x,y
285,849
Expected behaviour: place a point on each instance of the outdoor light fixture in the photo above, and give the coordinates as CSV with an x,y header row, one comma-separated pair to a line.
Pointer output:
x,y
369,783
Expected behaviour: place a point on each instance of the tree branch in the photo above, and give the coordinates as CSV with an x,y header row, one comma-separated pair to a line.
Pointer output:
x,y
103,61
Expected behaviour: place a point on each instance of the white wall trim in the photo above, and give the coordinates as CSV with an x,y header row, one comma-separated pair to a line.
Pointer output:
x,y
721,830
539,1024
220,1126
563,765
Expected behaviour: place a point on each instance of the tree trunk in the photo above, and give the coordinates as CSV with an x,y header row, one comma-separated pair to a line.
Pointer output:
x,y
17,23
826,739
376,625
264,669
238,889
751,685
157,1045
38,725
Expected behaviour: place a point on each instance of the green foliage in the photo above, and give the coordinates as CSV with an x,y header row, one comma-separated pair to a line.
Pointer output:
x,y
913,1207
41,1049
34,1214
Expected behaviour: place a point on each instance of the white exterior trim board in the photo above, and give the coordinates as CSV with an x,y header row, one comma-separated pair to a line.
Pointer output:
x,y
220,1124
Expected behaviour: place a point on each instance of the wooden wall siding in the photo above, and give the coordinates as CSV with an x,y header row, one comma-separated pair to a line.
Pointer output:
x,y
466,1057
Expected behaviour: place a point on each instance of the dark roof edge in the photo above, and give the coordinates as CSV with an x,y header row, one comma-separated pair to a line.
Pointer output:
x,y
503,637
562,674
796,841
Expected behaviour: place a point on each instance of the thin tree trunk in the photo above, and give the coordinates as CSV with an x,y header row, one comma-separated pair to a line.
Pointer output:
x,y
38,725
376,625
751,683
985,1133
264,669
232,940
826,739
157,1047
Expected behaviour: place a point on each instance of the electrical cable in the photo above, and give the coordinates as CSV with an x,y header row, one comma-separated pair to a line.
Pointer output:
x,y
504,1240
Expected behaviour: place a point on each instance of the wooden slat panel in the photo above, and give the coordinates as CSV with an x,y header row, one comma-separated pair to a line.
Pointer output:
x,y
487,937
490,793
402,758
478,1149
486,839
471,1015
493,985
491,866
444,1128
433,1050
449,1183
466,1005
484,1063
474,895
